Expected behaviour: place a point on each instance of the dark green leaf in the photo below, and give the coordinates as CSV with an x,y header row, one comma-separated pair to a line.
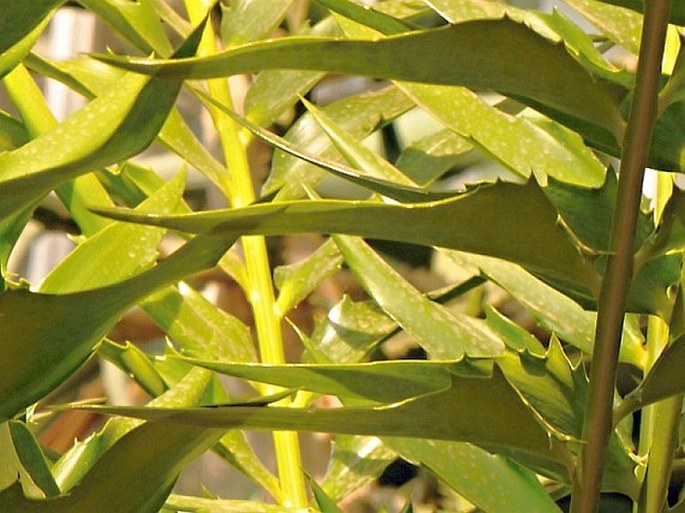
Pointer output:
x,y
529,234
34,465
366,15
19,19
154,450
490,410
323,500
36,357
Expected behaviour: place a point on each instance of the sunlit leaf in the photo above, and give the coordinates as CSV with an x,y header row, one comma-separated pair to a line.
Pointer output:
x,y
296,281
418,57
621,25
110,120
491,482
359,116
136,21
90,78
551,309
510,139
355,462
134,249
351,329
441,332
245,21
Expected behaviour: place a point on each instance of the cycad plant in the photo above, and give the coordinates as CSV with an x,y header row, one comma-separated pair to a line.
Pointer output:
x,y
510,418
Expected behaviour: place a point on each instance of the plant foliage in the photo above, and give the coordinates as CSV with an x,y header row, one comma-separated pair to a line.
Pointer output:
x,y
493,407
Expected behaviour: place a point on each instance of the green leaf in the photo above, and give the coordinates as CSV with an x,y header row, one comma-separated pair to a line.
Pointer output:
x,y
551,385
20,19
513,335
182,503
366,16
130,359
119,124
441,332
553,310
419,57
116,252
491,411
377,182
512,140
71,468
323,500
665,378
90,78
351,329
490,482
34,467
355,462
621,25
358,155
157,451
359,116
296,281
199,327
36,357
529,234
136,21
677,10
245,21
554,26
273,92
669,236
15,54
12,132
377,382
430,157
588,212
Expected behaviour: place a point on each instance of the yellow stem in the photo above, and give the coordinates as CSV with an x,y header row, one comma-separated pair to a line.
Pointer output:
x,y
240,192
